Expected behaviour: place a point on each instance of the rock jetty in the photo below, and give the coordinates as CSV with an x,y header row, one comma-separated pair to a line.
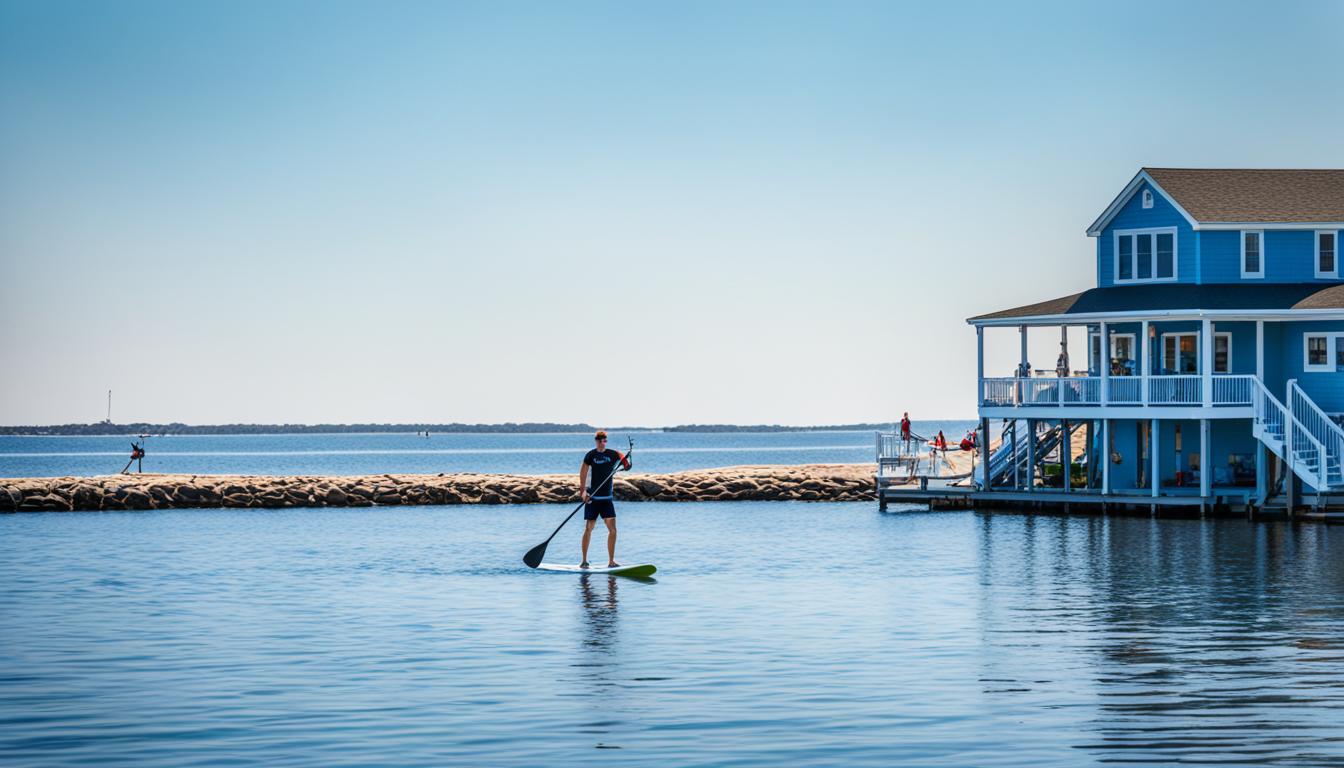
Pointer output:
x,y
813,482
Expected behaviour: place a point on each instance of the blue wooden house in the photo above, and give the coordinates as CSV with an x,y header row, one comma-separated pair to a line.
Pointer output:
x,y
1214,372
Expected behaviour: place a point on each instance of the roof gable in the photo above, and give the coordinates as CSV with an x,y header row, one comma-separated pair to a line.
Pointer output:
x,y
1256,194
1215,196
1132,188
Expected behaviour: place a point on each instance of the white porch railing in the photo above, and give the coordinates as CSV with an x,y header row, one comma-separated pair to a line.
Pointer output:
x,y
1228,390
999,392
1233,390
1175,390
1125,390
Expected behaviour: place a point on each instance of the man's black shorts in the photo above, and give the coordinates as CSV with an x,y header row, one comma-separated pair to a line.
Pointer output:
x,y
596,507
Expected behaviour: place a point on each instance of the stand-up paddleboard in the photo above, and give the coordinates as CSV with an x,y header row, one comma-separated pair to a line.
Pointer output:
x,y
643,569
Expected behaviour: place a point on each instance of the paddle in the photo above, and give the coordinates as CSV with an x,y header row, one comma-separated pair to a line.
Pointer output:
x,y
533,557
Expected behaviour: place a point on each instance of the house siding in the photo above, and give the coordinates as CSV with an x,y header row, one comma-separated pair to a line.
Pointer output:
x,y
1289,257
1324,387
1133,216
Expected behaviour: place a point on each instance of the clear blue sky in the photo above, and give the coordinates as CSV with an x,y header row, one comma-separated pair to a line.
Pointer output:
x,y
645,213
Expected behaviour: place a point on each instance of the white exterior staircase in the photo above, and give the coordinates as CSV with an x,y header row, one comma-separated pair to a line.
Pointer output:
x,y
1301,435
1325,431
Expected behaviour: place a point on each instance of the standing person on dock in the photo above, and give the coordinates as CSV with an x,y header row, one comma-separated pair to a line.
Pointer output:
x,y
905,430
598,499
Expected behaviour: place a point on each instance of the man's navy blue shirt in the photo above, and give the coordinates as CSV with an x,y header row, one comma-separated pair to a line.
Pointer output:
x,y
602,469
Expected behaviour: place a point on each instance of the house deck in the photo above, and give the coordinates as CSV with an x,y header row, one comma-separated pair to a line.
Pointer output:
x,y
1225,502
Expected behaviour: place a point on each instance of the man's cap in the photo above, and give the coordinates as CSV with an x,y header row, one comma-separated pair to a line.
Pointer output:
x,y
601,435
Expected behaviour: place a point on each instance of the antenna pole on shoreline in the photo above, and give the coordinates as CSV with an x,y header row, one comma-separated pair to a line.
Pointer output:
x,y
109,406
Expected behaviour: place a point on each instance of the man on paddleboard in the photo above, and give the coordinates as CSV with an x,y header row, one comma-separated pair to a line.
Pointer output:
x,y
599,467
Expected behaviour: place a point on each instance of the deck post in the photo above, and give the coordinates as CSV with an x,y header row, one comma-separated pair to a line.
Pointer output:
x,y
1022,363
980,364
1144,369
1066,454
1017,455
1206,361
1105,363
1105,457
1156,480
1260,350
1205,466
1031,454
1090,450
984,451
1261,470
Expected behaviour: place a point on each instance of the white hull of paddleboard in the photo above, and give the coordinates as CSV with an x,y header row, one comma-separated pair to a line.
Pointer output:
x,y
642,569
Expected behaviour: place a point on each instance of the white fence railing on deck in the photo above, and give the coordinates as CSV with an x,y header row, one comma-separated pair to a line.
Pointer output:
x,y
1125,390
1175,390
1121,390
999,392
1042,391
1233,390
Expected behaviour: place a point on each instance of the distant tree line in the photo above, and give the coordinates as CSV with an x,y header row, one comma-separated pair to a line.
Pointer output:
x,y
777,427
140,428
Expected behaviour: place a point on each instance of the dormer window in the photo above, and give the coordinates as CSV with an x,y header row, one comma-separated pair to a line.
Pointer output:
x,y
1147,198
1252,253
1327,264
1145,255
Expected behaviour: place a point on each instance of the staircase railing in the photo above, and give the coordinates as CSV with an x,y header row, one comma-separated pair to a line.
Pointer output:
x,y
1288,438
1321,427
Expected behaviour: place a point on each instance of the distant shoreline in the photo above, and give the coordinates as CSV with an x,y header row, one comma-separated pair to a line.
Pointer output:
x,y
541,428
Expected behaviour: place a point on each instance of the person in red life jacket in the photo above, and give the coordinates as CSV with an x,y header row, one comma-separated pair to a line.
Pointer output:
x,y
905,428
596,489
940,443
968,442
137,454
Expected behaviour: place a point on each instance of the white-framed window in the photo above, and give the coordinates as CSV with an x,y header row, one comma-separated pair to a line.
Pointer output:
x,y
1145,255
1252,253
1322,352
1147,198
1122,350
1327,253
1180,353
1222,352
1121,360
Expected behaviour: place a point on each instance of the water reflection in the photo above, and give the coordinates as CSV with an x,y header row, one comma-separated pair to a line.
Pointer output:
x,y
1193,634
599,599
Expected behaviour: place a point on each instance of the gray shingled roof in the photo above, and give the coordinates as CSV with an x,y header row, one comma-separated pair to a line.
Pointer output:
x,y
1255,194
1176,296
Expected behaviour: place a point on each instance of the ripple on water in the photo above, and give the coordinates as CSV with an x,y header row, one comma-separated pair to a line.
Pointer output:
x,y
805,634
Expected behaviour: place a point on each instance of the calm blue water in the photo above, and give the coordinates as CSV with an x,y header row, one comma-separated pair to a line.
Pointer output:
x,y
409,453
775,634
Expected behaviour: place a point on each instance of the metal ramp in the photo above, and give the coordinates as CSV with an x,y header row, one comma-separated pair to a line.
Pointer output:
x,y
1012,456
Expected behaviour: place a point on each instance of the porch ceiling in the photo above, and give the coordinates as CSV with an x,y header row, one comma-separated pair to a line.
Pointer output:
x,y
1169,298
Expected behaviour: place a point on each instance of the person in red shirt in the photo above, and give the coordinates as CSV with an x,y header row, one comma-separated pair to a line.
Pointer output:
x,y
905,429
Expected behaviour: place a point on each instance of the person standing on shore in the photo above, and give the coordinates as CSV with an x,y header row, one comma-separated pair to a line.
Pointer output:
x,y
599,466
